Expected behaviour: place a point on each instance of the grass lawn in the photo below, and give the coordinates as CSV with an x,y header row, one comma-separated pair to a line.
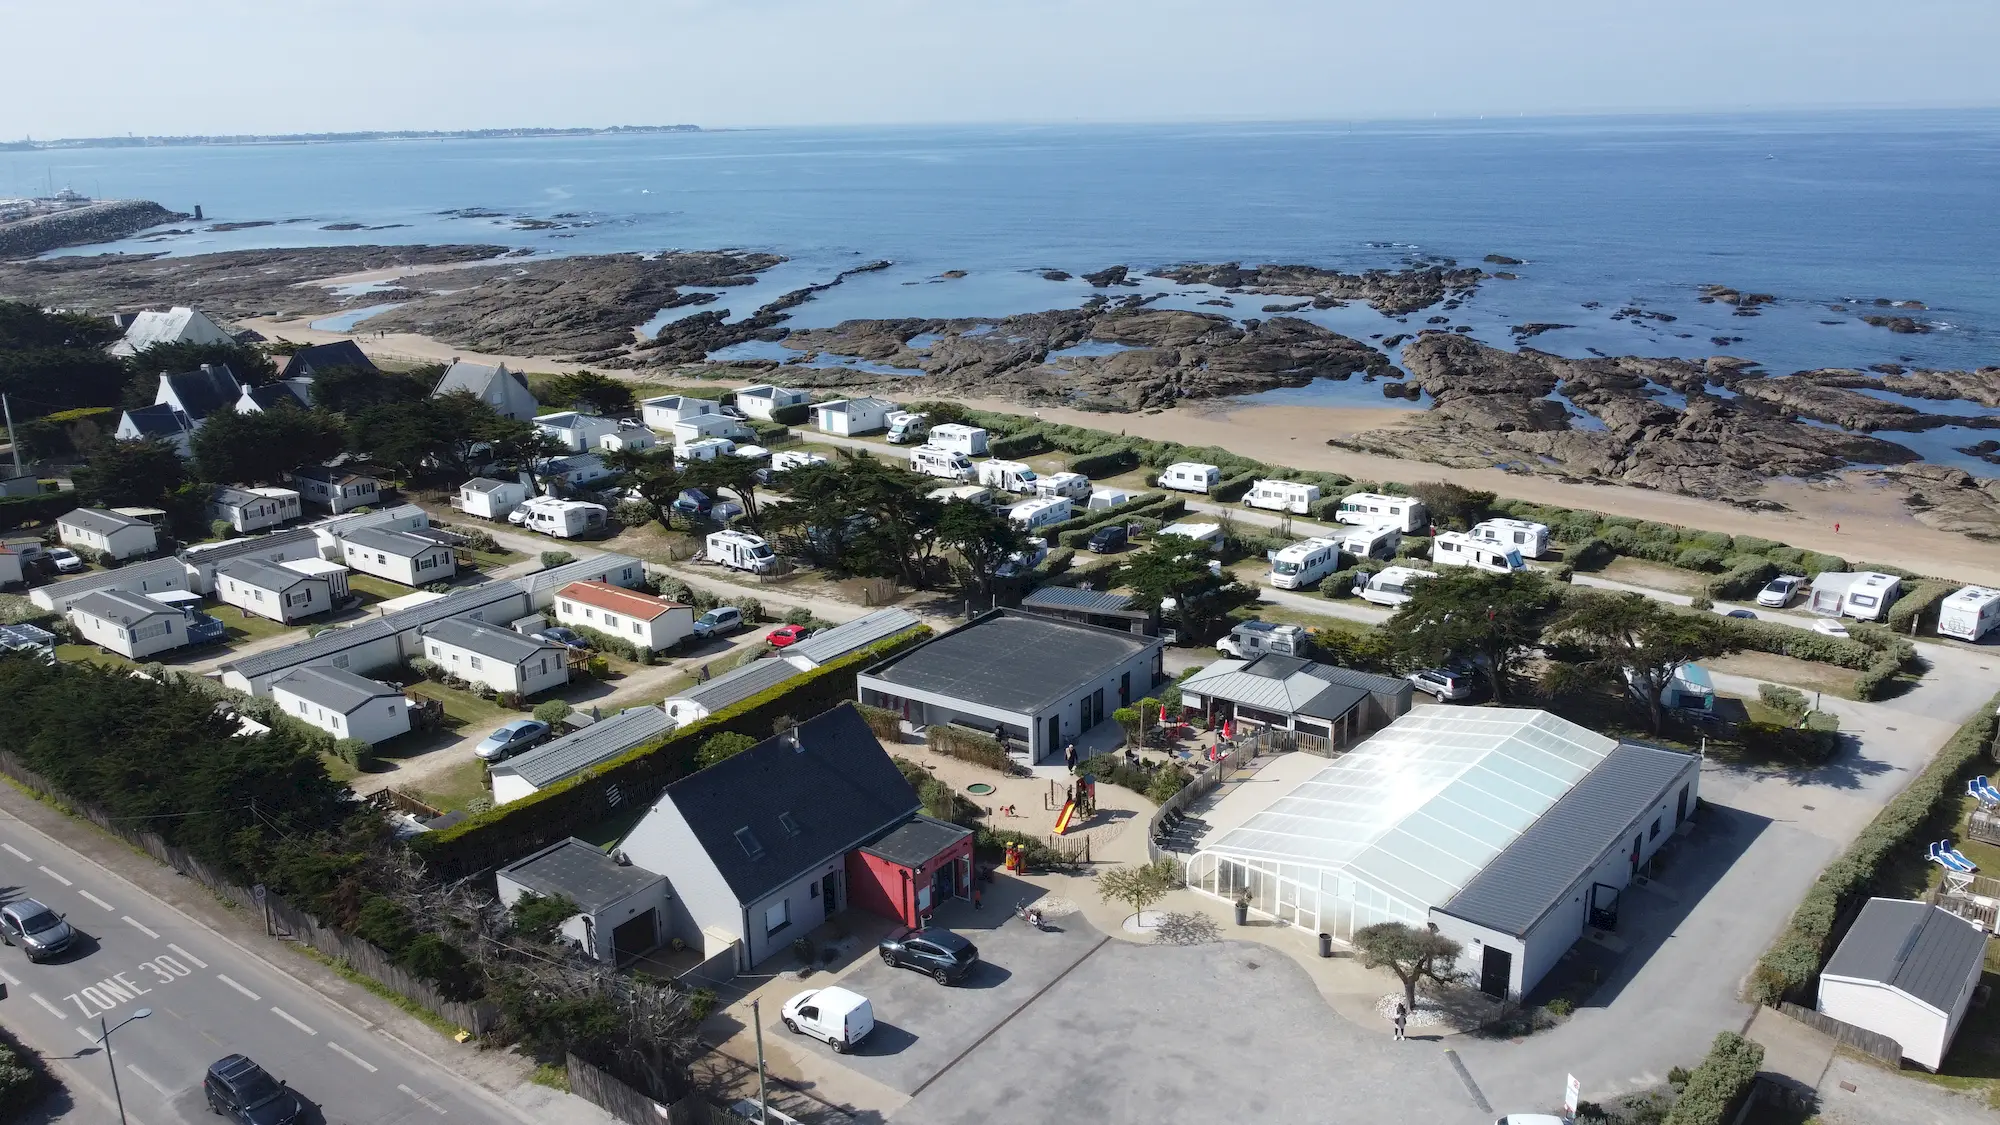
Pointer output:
x,y
463,707
1657,576
1806,675
240,626
488,560
371,589
338,769
70,654
452,789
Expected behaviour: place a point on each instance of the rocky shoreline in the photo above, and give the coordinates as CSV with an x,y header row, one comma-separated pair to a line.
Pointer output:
x,y
105,221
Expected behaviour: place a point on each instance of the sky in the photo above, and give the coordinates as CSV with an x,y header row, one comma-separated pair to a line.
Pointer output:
x,y
108,67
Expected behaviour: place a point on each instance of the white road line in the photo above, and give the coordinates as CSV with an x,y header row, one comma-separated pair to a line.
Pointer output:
x,y
224,978
293,1020
52,1009
198,962
97,900
87,1036
138,925
56,877
18,853
350,1056
146,1078
426,1101
10,978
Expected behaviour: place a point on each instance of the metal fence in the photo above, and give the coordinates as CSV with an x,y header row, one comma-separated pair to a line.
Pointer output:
x,y
1207,781
631,1106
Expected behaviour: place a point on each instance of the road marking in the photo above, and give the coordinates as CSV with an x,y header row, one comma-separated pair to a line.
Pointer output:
x,y
52,1009
97,900
18,853
10,978
350,1056
1465,1076
56,877
138,925
225,979
87,1036
426,1101
146,1078
293,1020
198,962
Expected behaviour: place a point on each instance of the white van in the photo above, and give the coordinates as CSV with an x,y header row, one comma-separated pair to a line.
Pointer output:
x,y
1190,476
1074,486
1969,614
1390,586
1282,496
1372,509
969,440
907,426
1007,476
834,1014
1304,563
934,462
1031,514
740,550
1101,498
785,459
1456,548
1527,537
1372,542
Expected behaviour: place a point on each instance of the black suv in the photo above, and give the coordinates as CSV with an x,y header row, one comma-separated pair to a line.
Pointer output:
x,y
246,1093
1105,540
941,953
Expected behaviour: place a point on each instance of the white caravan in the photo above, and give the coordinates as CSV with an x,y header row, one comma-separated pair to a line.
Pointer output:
x,y
934,462
1390,586
1007,476
1969,614
740,550
786,459
906,426
1282,496
564,519
1529,538
970,493
1190,476
1208,535
969,440
1303,563
1864,595
1372,509
1073,486
707,449
1101,498
1031,514
1372,542
1456,548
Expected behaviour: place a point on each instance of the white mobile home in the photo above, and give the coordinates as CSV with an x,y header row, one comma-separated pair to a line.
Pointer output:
x,y
499,658
1207,535
850,416
1282,496
762,400
1029,515
573,753
661,413
969,440
970,493
932,461
1007,476
157,576
1372,509
1969,614
740,550
785,460
574,430
642,620
706,449
1525,536
1456,548
1390,585
1372,542
691,705
489,499
1071,486
396,517
278,592
337,490
1907,970
578,471
254,509
629,437
1303,563
132,625
1190,476
395,637
399,556
107,532
343,704
564,519
687,431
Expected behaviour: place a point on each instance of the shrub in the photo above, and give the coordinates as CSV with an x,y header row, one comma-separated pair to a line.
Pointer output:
x,y
1167,781
355,752
1746,575
1015,445
1107,464
614,644
753,610
221,529
968,745
1698,558
553,559
23,1081
887,724
1774,741
1591,554
427,668
1917,609
553,712
1789,702
722,745
1701,601
1715,1088
794,415
798,615
511,700
1415,547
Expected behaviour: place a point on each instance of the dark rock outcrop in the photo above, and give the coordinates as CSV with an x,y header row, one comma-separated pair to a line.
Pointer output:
x,y
1394,292
80,226
1109,276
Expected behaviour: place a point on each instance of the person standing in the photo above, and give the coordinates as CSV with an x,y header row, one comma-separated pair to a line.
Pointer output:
x,y
1069,756
1402,1020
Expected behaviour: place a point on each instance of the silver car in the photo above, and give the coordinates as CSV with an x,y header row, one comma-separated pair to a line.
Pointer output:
x,y
40,932
1442,684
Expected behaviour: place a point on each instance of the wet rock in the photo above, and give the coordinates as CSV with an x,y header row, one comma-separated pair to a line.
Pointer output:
x,y
1393,292
1535,328
1112,275
1901,325
1712,294
1055,275
1503,275
1293,307
953,274
1503,260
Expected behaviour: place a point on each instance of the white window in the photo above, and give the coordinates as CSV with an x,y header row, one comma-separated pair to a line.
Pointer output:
x,y
476,665
336,722
257,595
568,608
302,706
588,615
636,630
158,628
778,916
436,652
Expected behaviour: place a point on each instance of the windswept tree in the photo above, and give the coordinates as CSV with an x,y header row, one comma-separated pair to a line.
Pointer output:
x,y
1414,955
858,515
983,540
1633,640
1492,619
232,448
736,476
589,392
654,475
56,361
248,364
1172,574
135,473
1452,506
350,390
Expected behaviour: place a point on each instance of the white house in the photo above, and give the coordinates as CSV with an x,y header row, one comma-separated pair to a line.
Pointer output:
x,y
575,430
849,416
253,509
762,400
378,642
397,517
338,490
618,570
579,471
343,704
178,325
503,390
1906,970
270,396
155,576
132,625
488,498
278,592
702,426
10,566
628,438
399,556
661,413
181,404
499,658
157,422
728,689
119,536
288,545
647,622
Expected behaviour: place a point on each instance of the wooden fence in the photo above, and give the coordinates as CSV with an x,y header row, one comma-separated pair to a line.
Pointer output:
x,y
632,1107
1861,1039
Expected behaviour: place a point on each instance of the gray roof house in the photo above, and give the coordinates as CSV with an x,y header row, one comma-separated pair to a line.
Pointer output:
x,y
831,644
153,576
576,752
503,390
618,570
308,362
487,640
732,687
100,520
1321,701
1091,607
1907,970
377,642
621,907
335,689
401,543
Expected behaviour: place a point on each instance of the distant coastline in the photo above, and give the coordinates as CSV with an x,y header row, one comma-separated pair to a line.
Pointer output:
x,y
30,145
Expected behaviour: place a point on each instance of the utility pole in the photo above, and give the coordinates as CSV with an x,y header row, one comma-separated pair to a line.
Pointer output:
x,y
7,408
105,1039
763,1105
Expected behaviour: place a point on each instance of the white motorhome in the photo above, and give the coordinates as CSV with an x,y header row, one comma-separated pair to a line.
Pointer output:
x,y
970,493
1074,486
906,426
1190,476
1209,535
1101,498
1390,586
1282,496
1372,542
1372,509
1969,614
934,462
564,519
740,550
707,449
1303,563
1007,476
1456,548
787,459
1864,595
969,440
1031,514
1525,536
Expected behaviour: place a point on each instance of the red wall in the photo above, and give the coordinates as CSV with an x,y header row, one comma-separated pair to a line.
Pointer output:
x,y
889,889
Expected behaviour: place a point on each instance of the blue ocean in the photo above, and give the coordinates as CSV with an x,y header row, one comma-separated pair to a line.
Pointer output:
x,y
1606,214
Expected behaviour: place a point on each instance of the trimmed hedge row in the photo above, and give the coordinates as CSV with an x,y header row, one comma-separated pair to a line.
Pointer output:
x,y
1919,604
24,1079
639,774
968,745
1231,489
1015,445
794,415
1715,1089
1792,961
1091,517
1159,508
1108,464
18,511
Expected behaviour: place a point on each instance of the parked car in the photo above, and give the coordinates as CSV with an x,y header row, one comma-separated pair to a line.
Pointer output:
x,y
511,739
518,516
245,1093
1778,592
722,511
66,560
40,932
1442,684
840,1017
1106,540
1828,627
1741,615
1529,1119
693,502
946,956
722,619
568,638
784,636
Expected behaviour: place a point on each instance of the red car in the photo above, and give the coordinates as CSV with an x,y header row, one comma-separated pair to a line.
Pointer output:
x,y
785,635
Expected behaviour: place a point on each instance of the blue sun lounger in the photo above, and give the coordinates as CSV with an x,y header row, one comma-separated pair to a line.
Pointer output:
x,y
1983,790
1950,858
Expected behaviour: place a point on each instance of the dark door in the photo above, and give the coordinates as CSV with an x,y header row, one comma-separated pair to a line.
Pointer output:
x,y
1681,807
1055,733
1496,971
942,884
829,889
635,937
1097,707
1636,842
1125,690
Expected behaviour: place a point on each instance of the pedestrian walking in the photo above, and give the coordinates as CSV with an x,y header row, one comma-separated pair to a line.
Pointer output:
x,y
1402,1020
975,894
1069,756
704,674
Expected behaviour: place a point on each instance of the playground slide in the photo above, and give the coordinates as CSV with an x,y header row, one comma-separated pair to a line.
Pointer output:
x,y
1063,818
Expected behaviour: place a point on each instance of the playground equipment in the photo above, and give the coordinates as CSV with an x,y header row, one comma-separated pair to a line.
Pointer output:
x,y
1082,801
1067,814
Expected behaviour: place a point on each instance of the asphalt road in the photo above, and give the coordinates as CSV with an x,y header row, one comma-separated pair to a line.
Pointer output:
x,y
209,998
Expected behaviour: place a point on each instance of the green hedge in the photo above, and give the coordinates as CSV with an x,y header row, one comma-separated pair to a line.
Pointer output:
x,y
1716,1088
1919,605
24,1081
968,745
1231,489
1109,464
1789,966
794,415
1747,574
1091,517
639,774
1158,508
887,724
19,511
1869,649
1015,445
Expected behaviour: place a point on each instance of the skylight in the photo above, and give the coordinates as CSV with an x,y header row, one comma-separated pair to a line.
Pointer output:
x,y
751,847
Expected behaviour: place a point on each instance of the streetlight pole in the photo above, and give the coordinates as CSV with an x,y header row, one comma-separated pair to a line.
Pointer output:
x,y
105,1039
763,1102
